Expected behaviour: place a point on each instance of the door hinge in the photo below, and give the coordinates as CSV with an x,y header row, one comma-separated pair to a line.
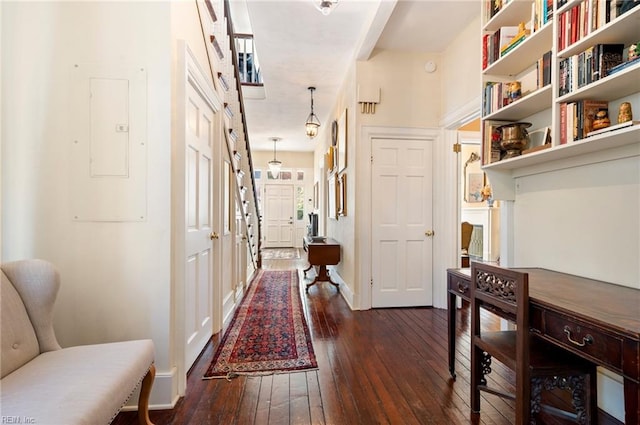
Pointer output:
x,y
372,159
457,147
371,283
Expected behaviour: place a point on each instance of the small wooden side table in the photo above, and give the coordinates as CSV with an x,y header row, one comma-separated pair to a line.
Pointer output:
x,y
322,254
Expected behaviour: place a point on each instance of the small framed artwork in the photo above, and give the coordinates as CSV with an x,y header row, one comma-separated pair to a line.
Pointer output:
x,y
329,160
342,142
316,196
474,177
332,196
342,195
285,175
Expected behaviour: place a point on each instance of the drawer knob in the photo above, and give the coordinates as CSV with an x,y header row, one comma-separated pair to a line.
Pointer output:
x,y
588,339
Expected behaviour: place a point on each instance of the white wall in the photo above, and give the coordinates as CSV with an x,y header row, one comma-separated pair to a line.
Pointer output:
x,y
115,275
583,220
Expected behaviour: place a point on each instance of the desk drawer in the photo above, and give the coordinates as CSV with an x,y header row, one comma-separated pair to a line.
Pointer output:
x,y
459,285
584,339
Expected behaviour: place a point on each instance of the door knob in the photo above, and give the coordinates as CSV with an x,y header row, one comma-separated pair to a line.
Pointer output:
x,y
429,233
214,235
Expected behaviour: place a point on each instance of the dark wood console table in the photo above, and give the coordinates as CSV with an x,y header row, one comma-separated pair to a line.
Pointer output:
x,y
597,320
321,254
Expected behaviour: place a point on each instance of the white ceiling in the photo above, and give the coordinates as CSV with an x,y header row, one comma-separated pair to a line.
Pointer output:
x,y
298,47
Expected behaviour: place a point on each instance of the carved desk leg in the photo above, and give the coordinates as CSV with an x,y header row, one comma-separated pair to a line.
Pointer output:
x,y
451,327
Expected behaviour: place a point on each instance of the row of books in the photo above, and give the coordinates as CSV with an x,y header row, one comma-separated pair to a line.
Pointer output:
x,y
497,94
541,13
586,17
576,118
492,7
494,44
588,66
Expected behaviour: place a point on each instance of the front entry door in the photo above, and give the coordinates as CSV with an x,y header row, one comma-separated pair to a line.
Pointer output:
x,y
199,273
279,216
401,223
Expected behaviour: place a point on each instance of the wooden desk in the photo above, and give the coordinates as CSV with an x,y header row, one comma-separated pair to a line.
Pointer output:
x,y
321,254
596,320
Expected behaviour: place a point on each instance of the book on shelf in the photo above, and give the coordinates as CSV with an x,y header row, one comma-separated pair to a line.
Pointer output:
x,y
606,56
491,151
513,43
563,123
588,66
586,111
613,128
572,121
624,65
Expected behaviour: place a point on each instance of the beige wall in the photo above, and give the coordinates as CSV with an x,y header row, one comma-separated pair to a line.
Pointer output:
x,y
410,96
115,275
461,79
291,160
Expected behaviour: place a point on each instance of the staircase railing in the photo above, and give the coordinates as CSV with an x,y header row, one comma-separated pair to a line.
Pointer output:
x,y
224,68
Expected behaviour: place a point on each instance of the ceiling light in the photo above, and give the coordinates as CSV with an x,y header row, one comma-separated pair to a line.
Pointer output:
x,y
325,6
274,164
312,123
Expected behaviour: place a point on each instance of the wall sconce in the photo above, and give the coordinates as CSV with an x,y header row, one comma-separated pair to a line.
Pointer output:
x,y
368,98
312,124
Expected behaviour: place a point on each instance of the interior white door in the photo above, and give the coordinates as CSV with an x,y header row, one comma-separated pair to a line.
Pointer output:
x,y
278,215
401,223
199,274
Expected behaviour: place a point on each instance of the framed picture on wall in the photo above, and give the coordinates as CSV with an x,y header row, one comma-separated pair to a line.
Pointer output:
x,y
332,195
473,177
342,195
342,142
316,196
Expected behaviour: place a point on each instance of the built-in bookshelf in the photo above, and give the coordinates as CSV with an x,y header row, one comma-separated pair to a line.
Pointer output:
x,y
543,27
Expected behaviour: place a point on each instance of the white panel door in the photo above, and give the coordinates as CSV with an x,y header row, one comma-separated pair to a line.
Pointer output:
x,y
401,219
278,215
200,134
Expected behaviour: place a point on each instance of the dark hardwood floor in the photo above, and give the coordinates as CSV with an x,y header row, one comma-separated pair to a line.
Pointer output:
x,y
381,366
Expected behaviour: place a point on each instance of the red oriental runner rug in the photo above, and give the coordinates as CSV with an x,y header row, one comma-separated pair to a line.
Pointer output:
x,y
268,333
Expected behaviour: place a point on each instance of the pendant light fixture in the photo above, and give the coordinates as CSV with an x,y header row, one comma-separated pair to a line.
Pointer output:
x,y
312,123
274,164
324,6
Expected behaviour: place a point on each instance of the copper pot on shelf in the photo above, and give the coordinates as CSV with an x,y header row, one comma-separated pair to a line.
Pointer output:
x,y
515,138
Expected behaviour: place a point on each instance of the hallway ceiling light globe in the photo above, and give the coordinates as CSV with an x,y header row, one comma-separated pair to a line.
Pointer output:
x,y
313,123
274,164
325,6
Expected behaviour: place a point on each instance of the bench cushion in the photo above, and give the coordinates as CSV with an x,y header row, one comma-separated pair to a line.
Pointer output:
x,y
85,385
19,341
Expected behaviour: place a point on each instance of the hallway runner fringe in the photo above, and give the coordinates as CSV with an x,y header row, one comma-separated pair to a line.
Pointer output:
x,y
268,333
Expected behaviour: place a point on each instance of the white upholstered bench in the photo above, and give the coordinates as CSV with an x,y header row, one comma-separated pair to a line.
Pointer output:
x,y
43,383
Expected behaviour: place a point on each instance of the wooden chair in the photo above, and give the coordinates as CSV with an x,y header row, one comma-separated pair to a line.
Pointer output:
x,y
465,236
538,365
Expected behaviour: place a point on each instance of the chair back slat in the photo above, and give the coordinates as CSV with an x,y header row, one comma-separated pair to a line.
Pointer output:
x,y
505,292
